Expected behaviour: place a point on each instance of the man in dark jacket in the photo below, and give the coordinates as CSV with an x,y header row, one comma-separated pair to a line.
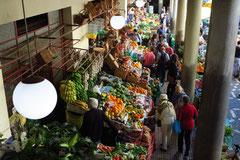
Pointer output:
x,y
162,60
93,122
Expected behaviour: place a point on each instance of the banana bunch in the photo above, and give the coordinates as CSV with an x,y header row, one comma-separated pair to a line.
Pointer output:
x,y
68,91
81,104
77,79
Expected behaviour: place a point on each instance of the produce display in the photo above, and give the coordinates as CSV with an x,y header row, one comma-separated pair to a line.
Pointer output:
x,y
114,106
120,91
68,91
138,90
54,141
125,101
126,152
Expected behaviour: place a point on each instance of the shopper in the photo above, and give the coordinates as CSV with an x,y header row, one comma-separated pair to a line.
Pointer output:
x,y
169,49
93,122
162,61
166,114
186,116
173,67
177,96
164,20
137,37
201,49
153,40
237,61
161,31
149,59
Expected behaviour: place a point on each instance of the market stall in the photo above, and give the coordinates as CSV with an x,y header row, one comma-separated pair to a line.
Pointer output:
x,y
126,95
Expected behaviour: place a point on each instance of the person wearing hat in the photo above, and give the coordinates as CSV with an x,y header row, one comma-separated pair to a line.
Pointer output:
x,y
166,114
93,122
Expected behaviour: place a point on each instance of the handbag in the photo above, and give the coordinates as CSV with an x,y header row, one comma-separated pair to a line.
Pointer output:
x,y
159,123
176,127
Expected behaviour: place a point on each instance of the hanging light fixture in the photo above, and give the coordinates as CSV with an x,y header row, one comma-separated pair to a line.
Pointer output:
x,y
34,97
140,3
117,21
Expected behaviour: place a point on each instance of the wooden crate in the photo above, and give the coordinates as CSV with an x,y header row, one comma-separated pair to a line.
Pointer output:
x,y
91,10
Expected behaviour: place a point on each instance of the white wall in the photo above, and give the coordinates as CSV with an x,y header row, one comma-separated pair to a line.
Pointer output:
x,y
4,122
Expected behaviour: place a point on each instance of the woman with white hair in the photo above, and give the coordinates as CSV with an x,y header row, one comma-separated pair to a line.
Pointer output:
x,y
176,99
166,113
93,122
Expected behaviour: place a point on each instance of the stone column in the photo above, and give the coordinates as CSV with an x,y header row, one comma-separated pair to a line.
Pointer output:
x,y
171,8
174,16
160,5
217,79
181,20
191,44
123,6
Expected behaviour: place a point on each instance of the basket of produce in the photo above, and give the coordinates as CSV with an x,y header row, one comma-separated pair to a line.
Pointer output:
x,y
122,72
77,107
132,77
76,120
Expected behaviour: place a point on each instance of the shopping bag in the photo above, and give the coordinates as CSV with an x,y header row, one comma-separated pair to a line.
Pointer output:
x,y
176,127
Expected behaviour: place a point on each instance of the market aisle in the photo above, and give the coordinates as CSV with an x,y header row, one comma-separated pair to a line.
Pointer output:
x,y
172,153
234,110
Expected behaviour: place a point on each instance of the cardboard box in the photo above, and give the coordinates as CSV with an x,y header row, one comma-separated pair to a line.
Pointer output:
x,y
111,61
45,56
119,72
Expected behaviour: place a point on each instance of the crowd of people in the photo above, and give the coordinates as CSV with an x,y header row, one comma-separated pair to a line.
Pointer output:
x,y
174,105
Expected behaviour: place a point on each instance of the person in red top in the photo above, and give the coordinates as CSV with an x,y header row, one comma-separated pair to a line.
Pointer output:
x,y
169,50
149,59
186,115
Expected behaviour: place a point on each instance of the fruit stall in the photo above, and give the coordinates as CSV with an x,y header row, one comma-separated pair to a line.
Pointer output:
x,y
113,74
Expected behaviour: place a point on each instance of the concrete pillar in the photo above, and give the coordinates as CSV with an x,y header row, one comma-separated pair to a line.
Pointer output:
x,y
160,5
174,17
191,44
123,6
171,8
181,20
217,79
4,120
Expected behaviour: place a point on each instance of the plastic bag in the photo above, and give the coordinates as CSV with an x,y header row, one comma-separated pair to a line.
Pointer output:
x,y
228,140
176,127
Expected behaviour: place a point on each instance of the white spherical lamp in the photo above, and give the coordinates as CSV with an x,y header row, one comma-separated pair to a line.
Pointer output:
x,y
140,3
35,98
117,22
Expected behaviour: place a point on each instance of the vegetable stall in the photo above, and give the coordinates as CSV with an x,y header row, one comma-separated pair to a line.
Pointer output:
x,y
113,74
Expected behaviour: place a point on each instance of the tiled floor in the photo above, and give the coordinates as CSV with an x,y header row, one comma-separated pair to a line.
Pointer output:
x,y
172,153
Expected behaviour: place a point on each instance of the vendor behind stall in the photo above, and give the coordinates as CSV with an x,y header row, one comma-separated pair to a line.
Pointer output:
x,y
93,122
137,37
